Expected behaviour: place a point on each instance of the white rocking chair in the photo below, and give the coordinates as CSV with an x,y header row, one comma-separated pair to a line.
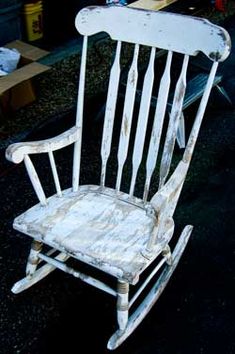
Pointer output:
x,y
116,232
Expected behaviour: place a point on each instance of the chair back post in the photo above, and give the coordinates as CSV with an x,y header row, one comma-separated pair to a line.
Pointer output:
x,y
79,116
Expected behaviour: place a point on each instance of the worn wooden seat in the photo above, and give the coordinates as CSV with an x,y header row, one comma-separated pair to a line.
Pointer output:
x,y
122,233
113,230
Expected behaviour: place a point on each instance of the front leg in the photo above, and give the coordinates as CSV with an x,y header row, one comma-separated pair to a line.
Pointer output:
x,y
33,259
122,304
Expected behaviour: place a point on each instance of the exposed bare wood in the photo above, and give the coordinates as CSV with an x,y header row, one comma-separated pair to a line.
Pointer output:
x,y
115,228
110,111
33,259
143,309
86,278
157,124
173,125
17,151
122,304
55,173
127,115
35,180
165,194
147,280
152,28
142,119
38,275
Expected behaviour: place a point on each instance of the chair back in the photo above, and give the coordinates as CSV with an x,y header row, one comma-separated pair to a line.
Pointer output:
x,y
157,31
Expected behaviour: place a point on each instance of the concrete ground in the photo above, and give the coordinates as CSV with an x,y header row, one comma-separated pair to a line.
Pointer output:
x,y
194,315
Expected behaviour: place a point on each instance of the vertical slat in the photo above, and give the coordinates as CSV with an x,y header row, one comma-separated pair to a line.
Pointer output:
x,y
55,174
199,116
35,180
158,123
110,111
142,119
79,117
127,115
173,123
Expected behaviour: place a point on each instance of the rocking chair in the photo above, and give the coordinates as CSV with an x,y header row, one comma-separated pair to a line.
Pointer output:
x,y
126,234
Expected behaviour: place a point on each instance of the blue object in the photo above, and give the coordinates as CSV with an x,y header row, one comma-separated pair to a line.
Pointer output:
x,y
116,2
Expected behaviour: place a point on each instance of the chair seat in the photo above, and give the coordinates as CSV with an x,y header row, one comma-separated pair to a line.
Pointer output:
x,y
98,227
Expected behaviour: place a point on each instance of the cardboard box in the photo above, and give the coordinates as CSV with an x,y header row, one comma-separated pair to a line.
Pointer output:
x,y
16,88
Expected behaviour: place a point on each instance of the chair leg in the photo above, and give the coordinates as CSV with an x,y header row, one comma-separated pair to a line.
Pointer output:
x,y
36,274
122,304
33,259
135,319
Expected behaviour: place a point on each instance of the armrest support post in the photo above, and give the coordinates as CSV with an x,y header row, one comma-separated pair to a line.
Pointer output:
x,y
35,180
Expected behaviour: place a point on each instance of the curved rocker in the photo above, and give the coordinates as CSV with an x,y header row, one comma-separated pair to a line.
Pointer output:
x,y
38,275
136,318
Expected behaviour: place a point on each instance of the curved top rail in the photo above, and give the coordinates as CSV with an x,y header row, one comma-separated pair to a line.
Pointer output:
x,y
169,31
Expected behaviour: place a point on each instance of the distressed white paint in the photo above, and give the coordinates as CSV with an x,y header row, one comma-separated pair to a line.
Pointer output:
x,y
38,275
87,279
173,125
35,180
147,280
142,119
79,116
156,29
110,111
55,173
16,152
122,304
33,259
157,124
112,231
165,201
127,115
146,305
106,228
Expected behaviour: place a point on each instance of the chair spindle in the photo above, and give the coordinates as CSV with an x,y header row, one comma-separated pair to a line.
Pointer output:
x,y
110,112
127,115
79,116
142,119
173,123
158,124
55,173
35,180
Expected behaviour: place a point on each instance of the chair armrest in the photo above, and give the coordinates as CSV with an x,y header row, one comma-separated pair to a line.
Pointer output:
x,y
169,190
16,152
164,203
